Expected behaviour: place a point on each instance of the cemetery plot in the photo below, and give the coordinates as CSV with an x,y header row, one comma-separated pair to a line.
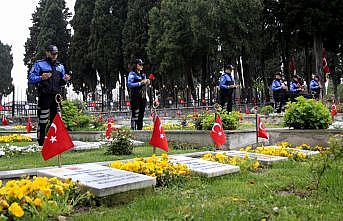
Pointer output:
x,y
307,153
265,159
101,180
204,167
80,145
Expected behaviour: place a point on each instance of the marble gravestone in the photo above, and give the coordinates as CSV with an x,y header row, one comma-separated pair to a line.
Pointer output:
x,y
101,180
308,153
204,167
263,158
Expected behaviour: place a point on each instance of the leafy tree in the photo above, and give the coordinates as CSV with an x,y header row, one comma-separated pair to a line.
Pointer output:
x,y
49,27
84,75
6,64
106,41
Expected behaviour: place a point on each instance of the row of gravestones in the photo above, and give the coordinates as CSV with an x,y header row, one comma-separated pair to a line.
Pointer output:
x,y
104,181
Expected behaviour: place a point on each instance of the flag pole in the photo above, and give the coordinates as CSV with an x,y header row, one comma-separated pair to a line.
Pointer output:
x,y
154,106
256,120
58,99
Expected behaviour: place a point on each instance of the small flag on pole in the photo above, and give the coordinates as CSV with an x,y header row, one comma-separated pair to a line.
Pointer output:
x,y
109,129
28,125
4,120
217,133
261,130
159,138
57,140
333,110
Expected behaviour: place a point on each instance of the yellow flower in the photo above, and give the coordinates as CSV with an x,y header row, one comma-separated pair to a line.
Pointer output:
x,y
38,202
255,165
16,210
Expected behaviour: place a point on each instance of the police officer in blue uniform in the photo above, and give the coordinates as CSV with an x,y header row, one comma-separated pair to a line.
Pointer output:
x,y
226,86
277,88
315,87
49,76
137,83
295,88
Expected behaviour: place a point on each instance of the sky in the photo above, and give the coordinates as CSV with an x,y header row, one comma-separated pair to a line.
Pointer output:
x,y
15,20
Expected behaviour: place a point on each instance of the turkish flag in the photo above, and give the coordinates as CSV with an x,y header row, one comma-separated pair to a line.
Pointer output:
x,y
326,69
159,138
57,140
261,130
217,133
333,110
109,129
1,108
100,118
28,125
4,120
247,111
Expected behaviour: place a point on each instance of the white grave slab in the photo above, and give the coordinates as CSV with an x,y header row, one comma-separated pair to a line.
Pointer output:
x,y
204,167
101,180
80,145
263,158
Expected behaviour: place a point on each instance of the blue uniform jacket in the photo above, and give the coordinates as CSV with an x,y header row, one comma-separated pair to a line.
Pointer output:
x,y
276,85
134,79
314,85
41,67
294,87
225,81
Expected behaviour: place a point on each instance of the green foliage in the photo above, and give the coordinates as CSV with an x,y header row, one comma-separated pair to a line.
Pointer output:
x,y
121,143
6,64
230,120
267,110
175,145
307,114
73,117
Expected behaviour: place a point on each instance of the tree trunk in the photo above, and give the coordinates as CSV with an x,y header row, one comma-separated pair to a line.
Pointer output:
x,y
317,52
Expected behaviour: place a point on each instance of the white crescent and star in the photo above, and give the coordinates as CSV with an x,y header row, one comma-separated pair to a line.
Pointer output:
x,y
220,129
54,126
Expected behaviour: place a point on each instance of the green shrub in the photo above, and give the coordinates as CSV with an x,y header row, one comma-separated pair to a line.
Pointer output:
x,y
230,120
307,114
267,110
121,143
74,117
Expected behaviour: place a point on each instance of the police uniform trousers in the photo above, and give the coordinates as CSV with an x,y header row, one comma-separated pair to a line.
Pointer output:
x,y
138,105
47,110
225,97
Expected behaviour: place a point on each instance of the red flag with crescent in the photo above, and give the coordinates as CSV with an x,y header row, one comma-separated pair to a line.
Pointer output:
x,y
261,130
333,110
159,138
109,128
326,69
28,125
217,133
57,140
247,110
4,120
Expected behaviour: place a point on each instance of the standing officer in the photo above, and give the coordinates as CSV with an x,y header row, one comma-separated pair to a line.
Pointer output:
x,y
315,87
277,88
48,75
137,83
295,88
226,86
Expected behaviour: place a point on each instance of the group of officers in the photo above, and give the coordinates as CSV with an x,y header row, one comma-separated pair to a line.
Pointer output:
x,y
281,94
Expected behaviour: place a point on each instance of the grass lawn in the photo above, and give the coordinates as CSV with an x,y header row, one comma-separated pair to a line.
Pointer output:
x,y
285,186
34,160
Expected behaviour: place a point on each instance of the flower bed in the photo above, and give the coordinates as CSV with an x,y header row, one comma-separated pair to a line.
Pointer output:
x,y
11,150
282,149
15,138
243,163
173,126
40,198
159,167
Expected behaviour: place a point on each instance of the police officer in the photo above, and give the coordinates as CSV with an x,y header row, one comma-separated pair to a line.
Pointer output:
x,y
315,87
137,83
277,88
48,75
226,86
295,88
